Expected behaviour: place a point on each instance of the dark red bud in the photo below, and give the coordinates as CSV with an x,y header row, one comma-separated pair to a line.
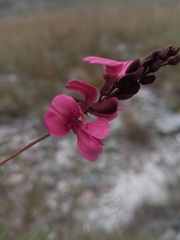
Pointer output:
x,y
175,60
147,62
164,55
155,66
128,78
147,80
174,51
133,66
154,55
128,91
108,85
106,108
167,48
139,72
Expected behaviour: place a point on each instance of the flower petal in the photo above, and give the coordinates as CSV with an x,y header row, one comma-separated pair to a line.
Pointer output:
x,y
66,107
88,146
88,91
98,128
100,60
112,67
112,71
60,117
55,123
118,70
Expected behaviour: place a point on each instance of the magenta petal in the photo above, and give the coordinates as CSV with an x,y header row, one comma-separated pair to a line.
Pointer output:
x,y
112,67
99,128
100,60
66,107
88,146
88,91
60,117
114,70
118,70
55,123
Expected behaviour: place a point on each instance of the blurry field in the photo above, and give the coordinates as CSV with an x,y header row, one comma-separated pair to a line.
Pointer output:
x,y
39,54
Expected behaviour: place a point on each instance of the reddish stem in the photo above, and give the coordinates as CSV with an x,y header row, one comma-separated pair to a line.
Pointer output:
x,y
24,148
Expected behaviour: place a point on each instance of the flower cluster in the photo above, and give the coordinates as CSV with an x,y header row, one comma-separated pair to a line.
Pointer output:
x,y
122,80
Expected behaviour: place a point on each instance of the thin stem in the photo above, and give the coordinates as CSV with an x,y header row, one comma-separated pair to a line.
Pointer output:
x,y
24,148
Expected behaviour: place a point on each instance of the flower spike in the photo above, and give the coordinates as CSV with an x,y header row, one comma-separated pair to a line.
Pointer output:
x,y
122,81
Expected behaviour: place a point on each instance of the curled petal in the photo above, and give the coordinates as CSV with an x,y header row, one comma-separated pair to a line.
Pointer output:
x,y
88,91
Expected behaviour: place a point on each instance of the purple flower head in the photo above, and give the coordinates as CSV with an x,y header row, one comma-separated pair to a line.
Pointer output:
x,y
65,115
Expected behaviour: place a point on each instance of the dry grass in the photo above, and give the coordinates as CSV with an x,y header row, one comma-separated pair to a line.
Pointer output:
x,y
52,44
44,51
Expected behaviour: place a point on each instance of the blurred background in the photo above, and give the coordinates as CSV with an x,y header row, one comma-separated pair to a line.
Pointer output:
x,y
132,192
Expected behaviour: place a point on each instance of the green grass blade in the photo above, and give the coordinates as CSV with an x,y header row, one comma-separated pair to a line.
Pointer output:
x,y
46,235
29,235
2,233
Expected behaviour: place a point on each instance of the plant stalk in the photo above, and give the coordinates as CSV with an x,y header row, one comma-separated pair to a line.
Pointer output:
x,y
24,148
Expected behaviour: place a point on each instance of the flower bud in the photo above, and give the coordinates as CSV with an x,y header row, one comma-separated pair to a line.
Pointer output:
x,y
147,62
107,107
154,55
174,51
164,55
108,85
139,72
147,80
155,66
175,60
128,91
128,78
133,66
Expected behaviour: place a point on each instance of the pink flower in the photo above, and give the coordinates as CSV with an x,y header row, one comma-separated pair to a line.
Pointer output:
x,y
112,67
63,116
107,109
